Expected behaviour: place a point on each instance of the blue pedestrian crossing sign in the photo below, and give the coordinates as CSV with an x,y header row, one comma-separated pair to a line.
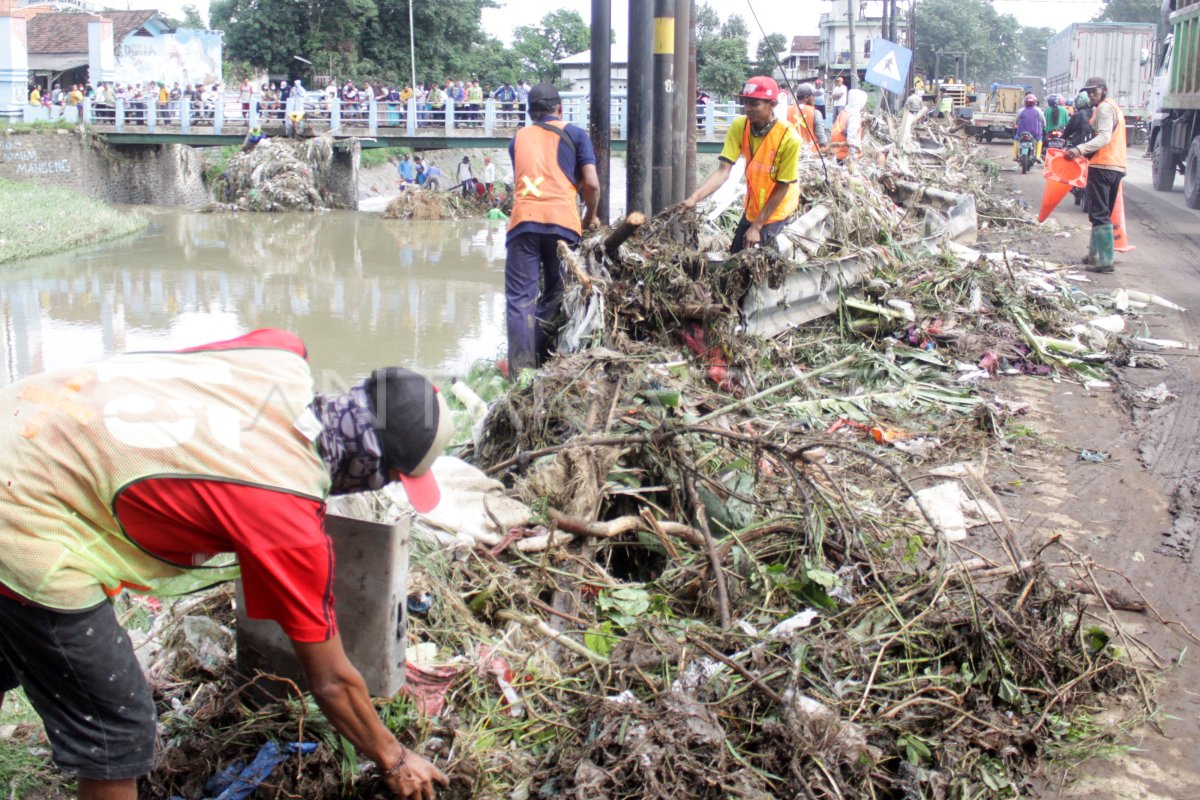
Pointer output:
x,y
889,65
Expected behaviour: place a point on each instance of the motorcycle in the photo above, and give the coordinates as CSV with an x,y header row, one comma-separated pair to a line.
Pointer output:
x,y
1055,140
1025,152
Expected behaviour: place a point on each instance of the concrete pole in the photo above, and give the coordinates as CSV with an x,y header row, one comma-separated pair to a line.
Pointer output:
x,y
641,107
663,186
14,62
692,84
851,13
412,48
600,115
682,99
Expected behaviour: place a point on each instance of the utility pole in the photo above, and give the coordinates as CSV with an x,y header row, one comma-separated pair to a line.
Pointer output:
x,y
640,126
853,64
663,185
601,105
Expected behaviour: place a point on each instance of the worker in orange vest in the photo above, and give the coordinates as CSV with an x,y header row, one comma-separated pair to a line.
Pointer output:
x,y
804,117
1106,156
846,138
553,164
771,148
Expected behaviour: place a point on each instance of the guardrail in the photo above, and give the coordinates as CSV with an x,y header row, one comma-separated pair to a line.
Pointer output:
x,y
225,115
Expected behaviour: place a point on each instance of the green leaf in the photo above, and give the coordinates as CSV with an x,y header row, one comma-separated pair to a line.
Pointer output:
x,y
1009,692
823,577
600,639
1096,639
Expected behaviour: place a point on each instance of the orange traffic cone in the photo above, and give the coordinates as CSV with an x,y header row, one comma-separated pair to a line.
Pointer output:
x,y
1120,236
1061,173
1052,195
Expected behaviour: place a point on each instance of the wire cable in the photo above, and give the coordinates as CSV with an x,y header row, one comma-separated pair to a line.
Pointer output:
x,y
783,73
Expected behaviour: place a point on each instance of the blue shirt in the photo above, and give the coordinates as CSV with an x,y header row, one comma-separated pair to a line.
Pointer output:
x,y
406,170
571,164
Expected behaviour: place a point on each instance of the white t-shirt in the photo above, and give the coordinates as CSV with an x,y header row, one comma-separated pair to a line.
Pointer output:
x,y
489,173
839,96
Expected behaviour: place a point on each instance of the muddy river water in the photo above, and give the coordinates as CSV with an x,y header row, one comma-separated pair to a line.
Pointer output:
x,y
361,291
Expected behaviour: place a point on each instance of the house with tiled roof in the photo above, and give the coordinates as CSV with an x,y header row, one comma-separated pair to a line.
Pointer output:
x,y
123,46
799,62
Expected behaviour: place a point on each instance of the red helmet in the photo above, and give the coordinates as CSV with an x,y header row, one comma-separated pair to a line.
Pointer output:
x,y
760,87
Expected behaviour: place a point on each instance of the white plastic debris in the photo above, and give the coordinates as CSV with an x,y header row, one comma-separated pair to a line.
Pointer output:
x,y
951,510
794,623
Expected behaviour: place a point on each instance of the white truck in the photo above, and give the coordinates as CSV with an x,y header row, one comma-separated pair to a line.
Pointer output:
x,y
1120,52
1175,114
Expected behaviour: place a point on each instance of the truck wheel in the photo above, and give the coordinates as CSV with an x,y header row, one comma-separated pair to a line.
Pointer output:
x,y
1191,175
1162,171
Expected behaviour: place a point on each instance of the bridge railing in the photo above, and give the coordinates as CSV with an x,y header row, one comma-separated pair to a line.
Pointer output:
x,y
225,114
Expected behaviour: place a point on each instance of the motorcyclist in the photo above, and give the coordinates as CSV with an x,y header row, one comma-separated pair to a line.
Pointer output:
x,y
1057,116
1079,128
1029,120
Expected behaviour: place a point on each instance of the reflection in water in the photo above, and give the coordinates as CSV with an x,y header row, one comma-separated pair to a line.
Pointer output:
x,y
361,291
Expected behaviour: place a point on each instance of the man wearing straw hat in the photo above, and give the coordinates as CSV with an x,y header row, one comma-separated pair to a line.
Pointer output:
x,y
1106,156
129,473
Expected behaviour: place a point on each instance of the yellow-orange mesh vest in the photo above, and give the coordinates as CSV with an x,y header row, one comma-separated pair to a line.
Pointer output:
x,y
72,440
760,174
837,137
804,119
543,193
1113,153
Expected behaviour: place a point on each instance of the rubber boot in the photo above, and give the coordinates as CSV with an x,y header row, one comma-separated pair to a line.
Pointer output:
x,y
1100,251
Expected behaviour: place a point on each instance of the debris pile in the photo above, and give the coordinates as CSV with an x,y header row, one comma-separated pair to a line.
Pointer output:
x,y
278,174
686,560
422,204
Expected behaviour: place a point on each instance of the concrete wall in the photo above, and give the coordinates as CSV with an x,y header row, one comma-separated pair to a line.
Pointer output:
x,y
165,175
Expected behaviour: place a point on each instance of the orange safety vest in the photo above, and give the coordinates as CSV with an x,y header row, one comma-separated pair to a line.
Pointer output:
x,y
543,193
760,174
1113,153
804,119
837,137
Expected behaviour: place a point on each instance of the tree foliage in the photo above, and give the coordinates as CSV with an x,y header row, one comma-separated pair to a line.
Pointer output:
x,y
363,39
1132,11
989,39
769,49
558,34
722,51
1031,50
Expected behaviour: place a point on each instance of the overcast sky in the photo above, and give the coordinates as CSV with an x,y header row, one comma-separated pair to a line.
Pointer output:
x,y
790,17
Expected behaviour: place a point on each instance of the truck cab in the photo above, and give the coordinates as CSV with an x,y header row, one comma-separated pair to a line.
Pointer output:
x,y
1175,104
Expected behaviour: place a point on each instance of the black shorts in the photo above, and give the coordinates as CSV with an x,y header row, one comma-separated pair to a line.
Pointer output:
x,y
81,676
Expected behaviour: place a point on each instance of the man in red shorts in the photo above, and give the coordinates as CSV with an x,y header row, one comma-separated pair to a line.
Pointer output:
x,y
129,474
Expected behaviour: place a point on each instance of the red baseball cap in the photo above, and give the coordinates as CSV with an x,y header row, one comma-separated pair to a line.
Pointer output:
x,y
760,87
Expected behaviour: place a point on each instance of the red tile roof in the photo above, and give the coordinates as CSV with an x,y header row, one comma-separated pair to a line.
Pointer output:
x,y
68,32
806,44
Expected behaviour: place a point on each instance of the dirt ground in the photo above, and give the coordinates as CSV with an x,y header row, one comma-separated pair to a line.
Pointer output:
x,y
1137,512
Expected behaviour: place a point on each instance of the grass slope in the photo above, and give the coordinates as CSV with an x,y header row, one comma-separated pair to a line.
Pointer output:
x,y
36,220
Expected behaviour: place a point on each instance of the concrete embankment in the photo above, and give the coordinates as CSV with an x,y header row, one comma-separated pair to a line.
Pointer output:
x,y
37,220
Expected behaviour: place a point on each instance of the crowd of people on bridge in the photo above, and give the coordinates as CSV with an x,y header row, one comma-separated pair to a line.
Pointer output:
x,y
392,100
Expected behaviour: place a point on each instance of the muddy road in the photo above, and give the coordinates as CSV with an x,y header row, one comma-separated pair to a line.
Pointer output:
x,y
1139,512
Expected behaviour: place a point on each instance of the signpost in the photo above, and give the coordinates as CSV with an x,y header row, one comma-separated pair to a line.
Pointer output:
x,y
889,65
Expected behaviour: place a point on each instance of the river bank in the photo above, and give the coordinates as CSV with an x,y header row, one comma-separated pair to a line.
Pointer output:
x,y
36,221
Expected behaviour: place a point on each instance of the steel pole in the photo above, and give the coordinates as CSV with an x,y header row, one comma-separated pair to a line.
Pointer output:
x,y
691,100
663,188
412,47
600,116
681,100
850,13
638,161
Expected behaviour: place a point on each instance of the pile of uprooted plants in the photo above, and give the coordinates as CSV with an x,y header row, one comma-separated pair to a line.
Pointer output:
x,y
278,174
755,567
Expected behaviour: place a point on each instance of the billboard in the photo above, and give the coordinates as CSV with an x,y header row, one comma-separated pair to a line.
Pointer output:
x,y
189,55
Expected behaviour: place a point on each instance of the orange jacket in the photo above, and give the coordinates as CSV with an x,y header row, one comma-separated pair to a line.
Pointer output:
x,y
837,137
760,179
543,193
804,119
1113,153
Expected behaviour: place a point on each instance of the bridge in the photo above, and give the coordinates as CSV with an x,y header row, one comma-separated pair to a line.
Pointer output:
x,y
223,121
